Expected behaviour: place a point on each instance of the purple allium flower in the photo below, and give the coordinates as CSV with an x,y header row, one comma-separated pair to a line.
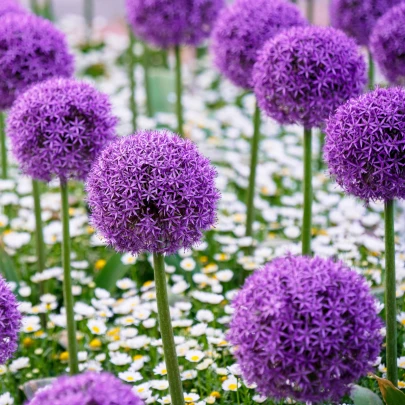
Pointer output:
x,y
387,44
365,145
31,50
243,28
58,127
302,75
152,192
177,22
10,322
305,328
85,389
10,6
357,18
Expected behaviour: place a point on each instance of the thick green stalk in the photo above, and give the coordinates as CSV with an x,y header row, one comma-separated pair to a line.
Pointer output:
x,y
48,10
35,7
390,293
145,62
307,217
310,11
3,145
370,71
132,81
39,235
254,152
179,92
166,330
67,283
89,16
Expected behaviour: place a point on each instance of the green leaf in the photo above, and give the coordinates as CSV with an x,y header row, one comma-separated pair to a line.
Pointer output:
x,y
113,271
391,394
364,396
7,267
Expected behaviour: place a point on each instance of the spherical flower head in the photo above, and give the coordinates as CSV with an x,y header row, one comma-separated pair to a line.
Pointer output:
x,y
302,75
177,22
243,28
32,50
10,6
387,44
85,389
152,192
365,145
305,328
10,322
357,18
58,127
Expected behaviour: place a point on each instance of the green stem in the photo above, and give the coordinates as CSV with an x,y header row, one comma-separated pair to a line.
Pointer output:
x,y
307,218
67,283
179,92
35,7
132,81
250,215
89,16
39,235
370,71
310,11
48,10
3,145
166,330
145,62
390,293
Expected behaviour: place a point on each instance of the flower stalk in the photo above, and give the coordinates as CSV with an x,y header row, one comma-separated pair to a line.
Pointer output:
x,y
179,92
3,146
250,215
390,293
132,81
67,283
370,71
148,90
307,215
166,330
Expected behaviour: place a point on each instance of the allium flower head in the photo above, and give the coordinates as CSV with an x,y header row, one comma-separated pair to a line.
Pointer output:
x,y
177,22
387,44
10,322
357,18
302,75
58,127
243,28
10,6
152,192
305,328
365,145
86,389
31,50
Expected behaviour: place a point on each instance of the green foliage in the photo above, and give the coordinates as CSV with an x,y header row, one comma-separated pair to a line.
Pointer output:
x,y
113,271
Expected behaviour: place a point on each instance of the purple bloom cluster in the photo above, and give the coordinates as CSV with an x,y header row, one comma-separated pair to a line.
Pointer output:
x,y
152,192
10,322
365,145
305,328
387,44
357,18
31,50
10,6
168,23
243,28
86,389
58,128
304,74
